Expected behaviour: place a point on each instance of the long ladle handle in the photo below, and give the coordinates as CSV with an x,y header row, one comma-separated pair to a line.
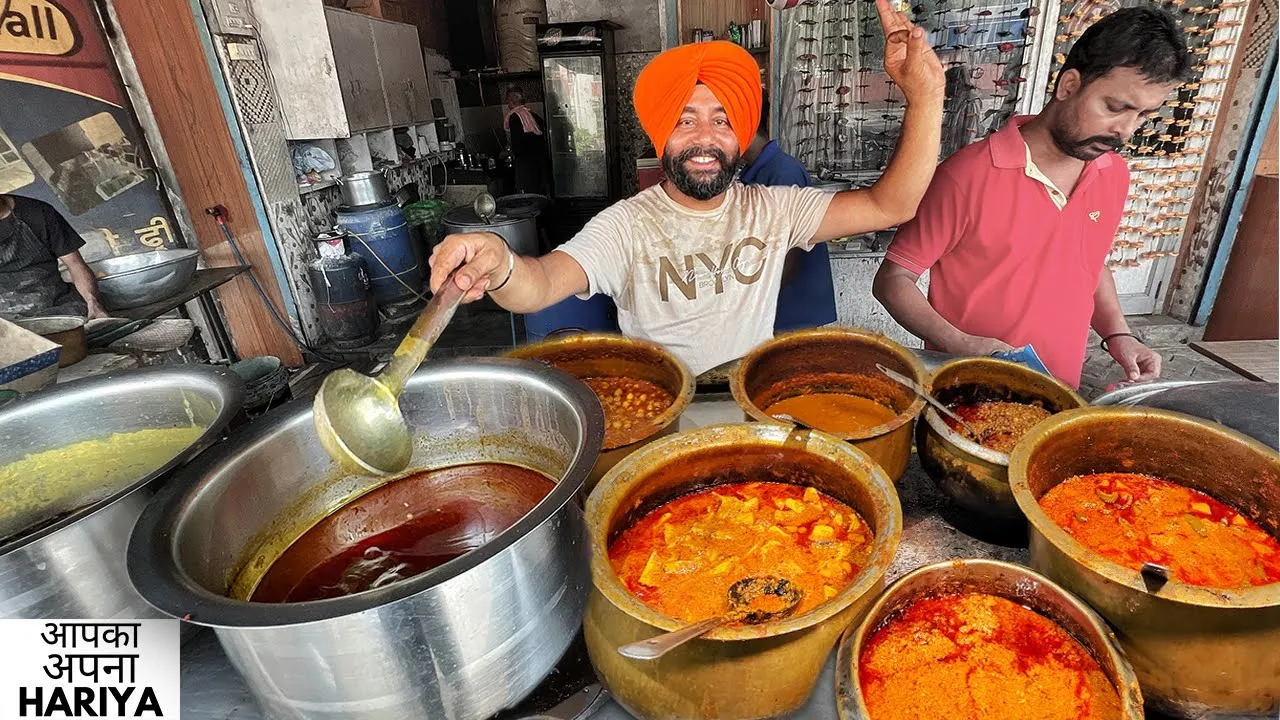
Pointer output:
x,y
424,333
659,645
903,379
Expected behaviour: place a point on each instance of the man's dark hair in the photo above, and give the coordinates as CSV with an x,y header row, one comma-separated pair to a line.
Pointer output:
x,y
763,128
1146,38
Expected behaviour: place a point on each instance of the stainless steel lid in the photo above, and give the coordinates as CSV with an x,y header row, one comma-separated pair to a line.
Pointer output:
x,y
466,217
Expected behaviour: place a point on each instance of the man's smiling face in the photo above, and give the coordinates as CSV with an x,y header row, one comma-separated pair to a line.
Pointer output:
x,y
702,154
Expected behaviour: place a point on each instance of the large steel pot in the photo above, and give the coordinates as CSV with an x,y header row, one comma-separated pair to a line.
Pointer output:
x,y
989,577
972,476
733,672
843,360
463,640
1249,406
1198,652
519,231
74,567
588,355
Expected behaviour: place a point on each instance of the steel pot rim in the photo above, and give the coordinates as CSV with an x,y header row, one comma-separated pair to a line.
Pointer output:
x,y
1262,596
226,381
964,444
849,700
161,581
533,351
887,538
179,255
738,379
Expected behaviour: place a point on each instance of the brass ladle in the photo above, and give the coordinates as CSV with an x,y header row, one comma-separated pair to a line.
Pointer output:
x,y
358,417
741,594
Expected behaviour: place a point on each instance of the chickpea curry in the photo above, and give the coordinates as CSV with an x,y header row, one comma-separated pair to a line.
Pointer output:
x,y
1000,425
839,413
980,657
630,408
681,558
1134,519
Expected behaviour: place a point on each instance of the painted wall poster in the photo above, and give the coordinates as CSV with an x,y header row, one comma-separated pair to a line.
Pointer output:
x,y
67,135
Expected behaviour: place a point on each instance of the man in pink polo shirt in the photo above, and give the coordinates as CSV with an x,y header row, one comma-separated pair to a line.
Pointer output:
x,y
1016,229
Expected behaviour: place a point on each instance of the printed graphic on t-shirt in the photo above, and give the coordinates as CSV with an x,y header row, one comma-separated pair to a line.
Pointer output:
x,y
740,262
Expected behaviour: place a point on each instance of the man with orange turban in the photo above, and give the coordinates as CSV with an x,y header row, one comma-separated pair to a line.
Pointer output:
x,y
695,263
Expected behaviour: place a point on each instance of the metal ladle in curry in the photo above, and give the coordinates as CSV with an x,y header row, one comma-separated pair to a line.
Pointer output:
x,y
358,417
741,596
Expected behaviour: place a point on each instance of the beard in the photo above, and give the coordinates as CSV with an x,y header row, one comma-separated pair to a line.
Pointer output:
x,y
1085,149
705,188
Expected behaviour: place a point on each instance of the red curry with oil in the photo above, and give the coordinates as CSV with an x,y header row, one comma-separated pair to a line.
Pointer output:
x,y
980,657
1133,519
403,529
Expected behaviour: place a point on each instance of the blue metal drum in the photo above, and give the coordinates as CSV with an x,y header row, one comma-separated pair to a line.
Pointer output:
x,y
595,315
381,236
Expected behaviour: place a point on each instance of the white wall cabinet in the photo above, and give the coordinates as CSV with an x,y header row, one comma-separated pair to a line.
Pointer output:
x,y
338,73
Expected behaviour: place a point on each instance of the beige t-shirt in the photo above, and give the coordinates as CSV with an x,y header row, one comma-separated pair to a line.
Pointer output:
x,y
704,284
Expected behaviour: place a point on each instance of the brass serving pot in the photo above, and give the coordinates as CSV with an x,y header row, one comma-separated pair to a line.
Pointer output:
x,y
1197,651
591,355
974,477
841,360
733,672
989,577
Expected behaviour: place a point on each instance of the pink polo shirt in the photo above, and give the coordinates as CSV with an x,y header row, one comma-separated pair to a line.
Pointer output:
x,y
1005,262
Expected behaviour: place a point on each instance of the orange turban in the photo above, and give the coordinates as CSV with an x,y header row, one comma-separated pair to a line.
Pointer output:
x,y
667,82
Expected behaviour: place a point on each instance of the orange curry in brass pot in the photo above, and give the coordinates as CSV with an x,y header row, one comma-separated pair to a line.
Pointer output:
x,y
827,378
676,524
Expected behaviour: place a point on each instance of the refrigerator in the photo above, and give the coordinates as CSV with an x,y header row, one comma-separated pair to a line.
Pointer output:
x,y
580,100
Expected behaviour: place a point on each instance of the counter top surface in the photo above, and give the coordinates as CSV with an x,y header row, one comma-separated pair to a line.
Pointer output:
x,y
933,531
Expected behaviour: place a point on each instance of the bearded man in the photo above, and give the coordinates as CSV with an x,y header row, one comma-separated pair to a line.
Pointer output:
x,y
1016,228
695,263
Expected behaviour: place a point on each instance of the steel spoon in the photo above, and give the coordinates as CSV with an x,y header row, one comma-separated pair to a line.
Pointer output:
x,y
912,384
792,419
741,593
358,417
485,206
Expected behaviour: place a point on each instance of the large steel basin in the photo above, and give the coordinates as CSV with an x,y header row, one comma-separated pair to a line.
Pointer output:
x,y
74,567
461,641
1198,652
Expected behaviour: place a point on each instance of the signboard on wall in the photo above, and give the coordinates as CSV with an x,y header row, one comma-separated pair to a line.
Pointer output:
x,y
67,136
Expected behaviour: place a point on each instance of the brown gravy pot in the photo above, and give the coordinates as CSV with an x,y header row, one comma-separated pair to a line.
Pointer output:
x,y
401,529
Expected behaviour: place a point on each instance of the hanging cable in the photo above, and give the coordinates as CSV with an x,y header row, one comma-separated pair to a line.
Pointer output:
x,y
219,214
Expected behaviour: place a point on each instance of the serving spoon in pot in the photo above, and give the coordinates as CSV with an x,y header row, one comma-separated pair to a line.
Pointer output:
x,y
358,417
742,594
913,385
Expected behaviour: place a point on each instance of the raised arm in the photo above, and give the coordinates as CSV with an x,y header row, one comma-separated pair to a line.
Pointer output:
x,y
911,63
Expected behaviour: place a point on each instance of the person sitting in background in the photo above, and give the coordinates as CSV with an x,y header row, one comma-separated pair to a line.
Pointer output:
x,y
33,238
1015,229
808,295
695,263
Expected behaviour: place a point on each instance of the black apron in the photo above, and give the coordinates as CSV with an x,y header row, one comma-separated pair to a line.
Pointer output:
x,y
30,285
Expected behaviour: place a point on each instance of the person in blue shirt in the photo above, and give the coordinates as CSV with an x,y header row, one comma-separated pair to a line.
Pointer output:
x,y
808,296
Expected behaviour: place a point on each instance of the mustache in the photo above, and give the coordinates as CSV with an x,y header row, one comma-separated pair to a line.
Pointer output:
x,y
714,152
1110,141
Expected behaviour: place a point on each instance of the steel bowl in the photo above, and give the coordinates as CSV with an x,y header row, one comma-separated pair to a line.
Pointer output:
x,y
974,477
588,355
833,359
989,577
70,562
1198,652
1248,406
461,641
754,671
131,281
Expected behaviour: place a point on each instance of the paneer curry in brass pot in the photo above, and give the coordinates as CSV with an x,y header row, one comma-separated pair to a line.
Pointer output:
x,y
677,524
